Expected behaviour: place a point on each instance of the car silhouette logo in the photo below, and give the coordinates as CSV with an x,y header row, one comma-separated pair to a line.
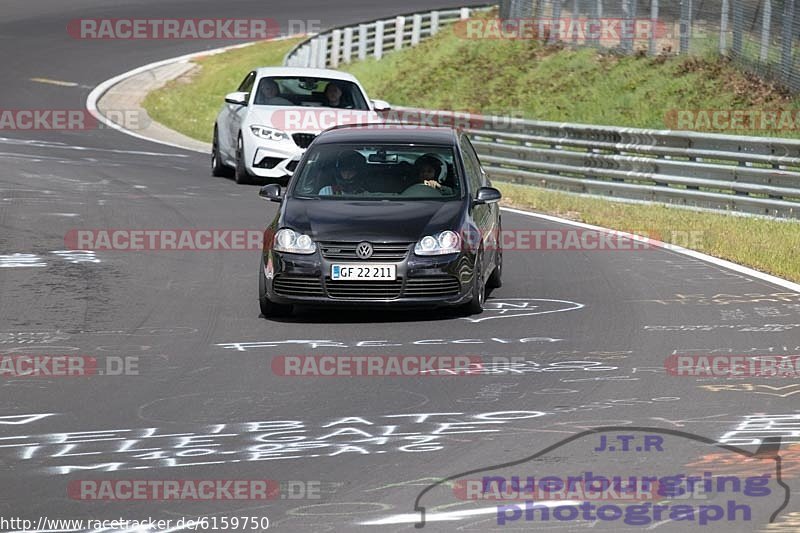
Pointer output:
x,y
364,250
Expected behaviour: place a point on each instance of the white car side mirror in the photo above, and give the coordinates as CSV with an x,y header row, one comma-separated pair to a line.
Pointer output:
x,y
237,98
380,105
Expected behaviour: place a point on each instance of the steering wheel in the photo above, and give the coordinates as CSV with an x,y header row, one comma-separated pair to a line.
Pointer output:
x,y
421,190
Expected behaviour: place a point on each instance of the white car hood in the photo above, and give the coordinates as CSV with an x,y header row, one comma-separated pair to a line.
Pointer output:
x,y
307,119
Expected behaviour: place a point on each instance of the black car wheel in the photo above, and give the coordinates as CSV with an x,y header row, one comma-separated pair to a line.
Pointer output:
x,y
268,308
475,306
241,174
218,169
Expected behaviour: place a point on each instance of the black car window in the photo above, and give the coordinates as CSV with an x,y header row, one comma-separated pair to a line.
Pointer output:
x,y
379,172
477,160
471,165
247,83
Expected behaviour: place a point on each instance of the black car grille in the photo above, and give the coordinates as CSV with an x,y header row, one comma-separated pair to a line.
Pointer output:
x,y
391,252
364,290
433,286
268,162
284,285
303,139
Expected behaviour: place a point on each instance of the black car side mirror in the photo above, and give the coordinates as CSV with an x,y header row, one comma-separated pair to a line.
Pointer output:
x,y
487,195
271,192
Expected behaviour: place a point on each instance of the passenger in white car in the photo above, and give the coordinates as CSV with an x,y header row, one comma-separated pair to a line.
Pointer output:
x,y
268,92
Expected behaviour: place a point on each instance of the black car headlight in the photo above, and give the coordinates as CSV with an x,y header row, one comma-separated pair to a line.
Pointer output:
x,y
446,242
289,241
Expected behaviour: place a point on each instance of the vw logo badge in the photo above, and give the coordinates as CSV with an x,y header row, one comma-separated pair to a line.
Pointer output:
x,y
364,250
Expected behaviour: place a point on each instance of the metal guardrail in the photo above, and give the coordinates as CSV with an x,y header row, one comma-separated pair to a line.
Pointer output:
x,y
749,174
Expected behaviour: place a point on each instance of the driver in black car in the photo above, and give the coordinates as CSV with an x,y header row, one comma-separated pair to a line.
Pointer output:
x,y
350,166
428,169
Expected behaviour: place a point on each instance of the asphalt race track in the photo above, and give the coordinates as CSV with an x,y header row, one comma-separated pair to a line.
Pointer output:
x,y
593,329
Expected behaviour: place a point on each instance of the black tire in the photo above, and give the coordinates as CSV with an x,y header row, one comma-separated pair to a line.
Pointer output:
x,y
218,168
240,172
268,308
495,280
475,305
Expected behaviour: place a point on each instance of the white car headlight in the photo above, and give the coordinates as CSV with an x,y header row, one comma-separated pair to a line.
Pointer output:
x,y
446,242
270,134
290,241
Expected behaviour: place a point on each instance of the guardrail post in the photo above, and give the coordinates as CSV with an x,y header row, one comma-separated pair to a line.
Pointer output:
x,y
574,16
313,60
347,47
416,29
787,39
685,25
654,27
464,13
362,42
723,28
336,44
626,37
322,57
555,27
738,27
766,18
399,32
379,39
434,22
595,24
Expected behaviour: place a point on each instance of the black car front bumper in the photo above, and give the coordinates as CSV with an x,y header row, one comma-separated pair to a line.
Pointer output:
x,y
435,281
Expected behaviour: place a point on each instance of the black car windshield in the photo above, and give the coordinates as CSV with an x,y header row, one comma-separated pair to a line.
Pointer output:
x,y
309,92
378,171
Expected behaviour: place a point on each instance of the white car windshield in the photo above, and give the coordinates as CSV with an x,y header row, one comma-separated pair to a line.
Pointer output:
x,y
309,92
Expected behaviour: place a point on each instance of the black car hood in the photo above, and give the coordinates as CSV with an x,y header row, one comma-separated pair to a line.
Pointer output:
x,y
353,220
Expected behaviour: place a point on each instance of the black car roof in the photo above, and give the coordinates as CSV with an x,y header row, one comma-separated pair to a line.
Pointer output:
x,y
389,133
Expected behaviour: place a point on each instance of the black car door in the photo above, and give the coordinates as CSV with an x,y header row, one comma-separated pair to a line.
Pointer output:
x,y
485,216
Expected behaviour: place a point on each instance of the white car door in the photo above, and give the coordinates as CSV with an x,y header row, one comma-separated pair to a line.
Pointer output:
x,y
233,115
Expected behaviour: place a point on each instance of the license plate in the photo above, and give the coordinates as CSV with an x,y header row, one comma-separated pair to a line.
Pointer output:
x,y
363,272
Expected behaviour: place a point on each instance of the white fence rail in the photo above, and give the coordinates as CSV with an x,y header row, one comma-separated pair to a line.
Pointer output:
x,y
333,47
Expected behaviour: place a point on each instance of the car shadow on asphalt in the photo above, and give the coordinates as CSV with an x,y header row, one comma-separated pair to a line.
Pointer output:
x,y
344,315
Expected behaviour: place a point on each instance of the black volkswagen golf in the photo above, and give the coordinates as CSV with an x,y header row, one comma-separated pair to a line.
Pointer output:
x,y
383,216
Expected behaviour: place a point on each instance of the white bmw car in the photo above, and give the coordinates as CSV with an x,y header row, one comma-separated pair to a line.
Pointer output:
x,y
266,125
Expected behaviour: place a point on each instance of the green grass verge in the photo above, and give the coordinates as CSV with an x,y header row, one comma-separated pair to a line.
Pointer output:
x,y
772,246
190,104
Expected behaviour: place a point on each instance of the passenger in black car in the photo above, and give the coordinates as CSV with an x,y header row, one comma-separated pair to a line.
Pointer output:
x,y
350,166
